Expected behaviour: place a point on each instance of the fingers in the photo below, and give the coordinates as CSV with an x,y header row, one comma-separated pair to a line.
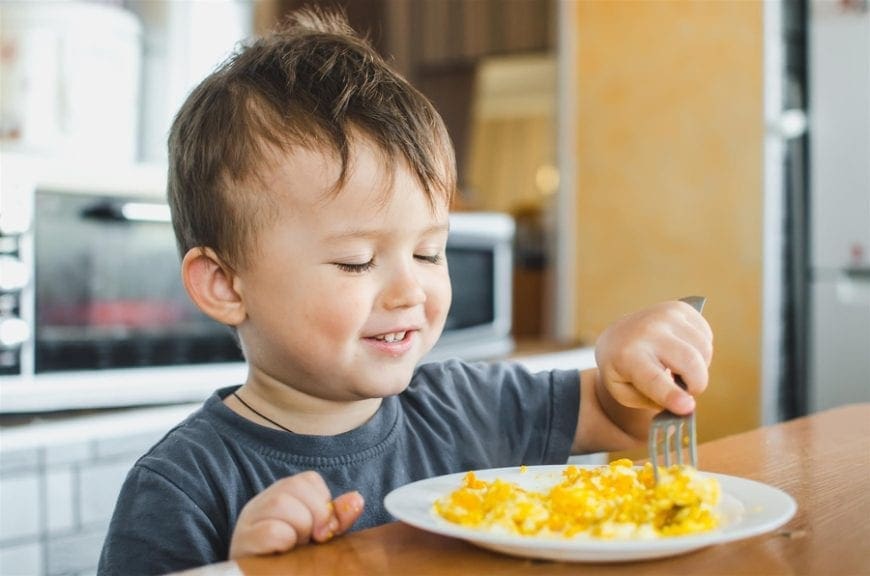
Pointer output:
x,y
303,501
264,537
686,360
347,507
293,511
640,354
626,394
654,375
694,318
695,331
678,400
655,382
282,516
344,511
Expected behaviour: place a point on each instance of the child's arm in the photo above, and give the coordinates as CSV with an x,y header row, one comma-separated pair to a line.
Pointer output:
x,y
636,357
292,511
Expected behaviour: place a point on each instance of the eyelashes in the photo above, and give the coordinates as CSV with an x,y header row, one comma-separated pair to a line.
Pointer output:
x,y
366,266
356,268
433,259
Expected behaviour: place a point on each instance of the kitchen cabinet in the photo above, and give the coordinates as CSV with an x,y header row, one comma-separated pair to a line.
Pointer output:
x,y
437,44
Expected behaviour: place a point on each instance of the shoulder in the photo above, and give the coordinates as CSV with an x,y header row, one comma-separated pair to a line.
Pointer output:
x,y
480,387
200,442
458,373
452,377
494,414
459,382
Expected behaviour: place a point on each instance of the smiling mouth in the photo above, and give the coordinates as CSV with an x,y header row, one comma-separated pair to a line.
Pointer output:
x,y
391,337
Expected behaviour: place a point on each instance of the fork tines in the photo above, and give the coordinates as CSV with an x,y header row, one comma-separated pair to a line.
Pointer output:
x,y
675,434
672,430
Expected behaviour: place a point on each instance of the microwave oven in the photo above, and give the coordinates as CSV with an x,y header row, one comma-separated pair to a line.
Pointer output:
x,y
93,313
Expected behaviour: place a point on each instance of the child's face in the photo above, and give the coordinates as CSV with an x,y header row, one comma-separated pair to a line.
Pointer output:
x,y
346,293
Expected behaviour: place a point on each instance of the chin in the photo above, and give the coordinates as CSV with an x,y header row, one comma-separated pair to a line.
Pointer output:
x,y
389,383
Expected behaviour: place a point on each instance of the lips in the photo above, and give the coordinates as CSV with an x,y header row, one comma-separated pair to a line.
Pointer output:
x,y
392,336
395,343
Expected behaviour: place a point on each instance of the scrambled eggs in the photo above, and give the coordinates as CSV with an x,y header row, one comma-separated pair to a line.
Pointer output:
x,y
613,501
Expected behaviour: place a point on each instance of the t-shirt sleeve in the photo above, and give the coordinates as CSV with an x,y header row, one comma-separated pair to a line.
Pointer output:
x,y
498,414
157,528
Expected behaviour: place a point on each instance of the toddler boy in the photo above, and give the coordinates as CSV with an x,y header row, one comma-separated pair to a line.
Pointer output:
x,y
310,188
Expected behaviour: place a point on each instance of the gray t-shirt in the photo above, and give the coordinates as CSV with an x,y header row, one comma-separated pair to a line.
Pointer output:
x,y
181,500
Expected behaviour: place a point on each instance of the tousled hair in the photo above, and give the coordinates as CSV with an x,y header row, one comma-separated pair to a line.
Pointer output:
x,y
312,84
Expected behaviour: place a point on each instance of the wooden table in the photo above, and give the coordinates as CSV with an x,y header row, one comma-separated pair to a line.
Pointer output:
x,y
822,460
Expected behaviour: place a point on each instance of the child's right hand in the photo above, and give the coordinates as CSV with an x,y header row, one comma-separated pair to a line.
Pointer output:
x,y
292,511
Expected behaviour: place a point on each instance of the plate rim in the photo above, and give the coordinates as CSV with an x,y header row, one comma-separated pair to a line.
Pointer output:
x,y
589,548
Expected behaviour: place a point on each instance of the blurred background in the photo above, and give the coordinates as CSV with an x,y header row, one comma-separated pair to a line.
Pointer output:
x,y
643,151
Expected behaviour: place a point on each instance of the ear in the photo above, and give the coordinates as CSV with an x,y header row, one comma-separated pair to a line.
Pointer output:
x,y
210,284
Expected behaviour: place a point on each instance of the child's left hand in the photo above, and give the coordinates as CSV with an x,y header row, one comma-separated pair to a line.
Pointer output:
x,y
638,355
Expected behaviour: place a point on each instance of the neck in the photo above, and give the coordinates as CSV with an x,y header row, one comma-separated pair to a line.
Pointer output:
x,y
315,418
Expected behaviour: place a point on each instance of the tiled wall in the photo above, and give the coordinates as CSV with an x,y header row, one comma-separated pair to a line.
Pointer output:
x,y
57,494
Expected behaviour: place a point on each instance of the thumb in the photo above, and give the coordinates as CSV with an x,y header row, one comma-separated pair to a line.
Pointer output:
x,y
348,508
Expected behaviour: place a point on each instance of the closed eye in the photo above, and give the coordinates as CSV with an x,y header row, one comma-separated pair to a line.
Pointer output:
x,y
355,268
433,259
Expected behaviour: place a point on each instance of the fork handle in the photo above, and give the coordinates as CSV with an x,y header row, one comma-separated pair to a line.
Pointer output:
x,y
696,302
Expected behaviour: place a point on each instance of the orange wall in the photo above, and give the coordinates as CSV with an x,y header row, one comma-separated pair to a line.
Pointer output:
x,y
669,177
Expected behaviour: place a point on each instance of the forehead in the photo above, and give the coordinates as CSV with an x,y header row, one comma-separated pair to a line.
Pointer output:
x,y
314,176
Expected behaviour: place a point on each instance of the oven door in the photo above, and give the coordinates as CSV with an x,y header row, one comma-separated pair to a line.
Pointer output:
x,y
108,292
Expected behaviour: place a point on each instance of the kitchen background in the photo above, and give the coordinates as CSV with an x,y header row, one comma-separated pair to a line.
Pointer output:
x,y
646,150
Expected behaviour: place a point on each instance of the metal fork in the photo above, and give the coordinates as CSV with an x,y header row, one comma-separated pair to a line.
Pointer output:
x,y
669,429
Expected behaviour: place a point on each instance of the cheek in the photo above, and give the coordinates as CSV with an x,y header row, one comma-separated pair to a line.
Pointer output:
x,y
440,296
339,310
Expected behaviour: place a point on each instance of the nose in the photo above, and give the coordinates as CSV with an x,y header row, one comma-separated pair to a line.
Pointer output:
x,y
403,288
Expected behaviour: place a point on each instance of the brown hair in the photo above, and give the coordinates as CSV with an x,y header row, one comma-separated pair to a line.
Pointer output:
x,y
310,84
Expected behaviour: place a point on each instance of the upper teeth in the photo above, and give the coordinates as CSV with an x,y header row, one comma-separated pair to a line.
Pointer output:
x,y
393,337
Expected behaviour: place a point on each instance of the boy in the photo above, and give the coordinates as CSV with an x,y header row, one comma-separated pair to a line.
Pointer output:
x,y
310,187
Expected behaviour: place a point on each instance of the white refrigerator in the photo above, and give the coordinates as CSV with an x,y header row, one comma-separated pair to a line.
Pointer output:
x,y
839,215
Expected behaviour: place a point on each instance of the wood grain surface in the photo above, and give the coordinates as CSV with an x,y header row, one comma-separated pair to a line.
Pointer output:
x,y
822,460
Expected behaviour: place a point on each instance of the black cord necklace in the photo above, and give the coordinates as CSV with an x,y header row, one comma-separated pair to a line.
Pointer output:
x,y
263,416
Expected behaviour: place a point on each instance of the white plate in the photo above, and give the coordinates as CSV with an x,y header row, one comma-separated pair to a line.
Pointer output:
x,y
747,508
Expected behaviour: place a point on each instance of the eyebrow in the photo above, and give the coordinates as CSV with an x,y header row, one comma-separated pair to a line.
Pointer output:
x,y
364,233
